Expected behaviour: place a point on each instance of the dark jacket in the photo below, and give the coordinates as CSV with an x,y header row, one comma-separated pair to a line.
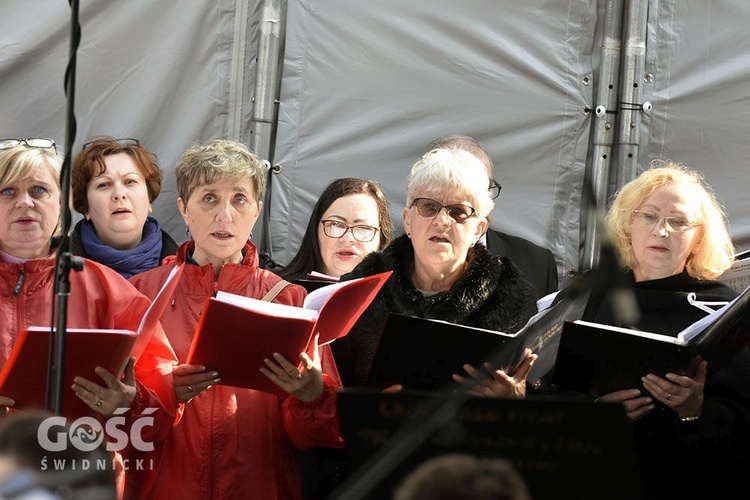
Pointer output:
x,y
536,263
688,459
493,294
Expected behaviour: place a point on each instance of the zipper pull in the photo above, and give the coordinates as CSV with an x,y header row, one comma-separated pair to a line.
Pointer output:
x,y
19,283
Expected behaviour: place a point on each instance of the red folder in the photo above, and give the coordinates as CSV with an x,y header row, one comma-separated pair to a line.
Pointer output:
x,y
24,376
235,334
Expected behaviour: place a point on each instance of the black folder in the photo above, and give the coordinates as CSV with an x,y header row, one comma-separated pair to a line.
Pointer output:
x,y
420,353
599,359
562,448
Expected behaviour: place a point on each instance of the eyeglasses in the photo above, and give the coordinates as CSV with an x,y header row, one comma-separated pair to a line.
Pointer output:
x,y
337,229
429,208
126,143
495,189
673,224
35,142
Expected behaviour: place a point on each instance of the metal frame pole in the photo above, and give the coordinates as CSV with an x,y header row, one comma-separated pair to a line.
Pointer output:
x,y
265,101
605,115
631,103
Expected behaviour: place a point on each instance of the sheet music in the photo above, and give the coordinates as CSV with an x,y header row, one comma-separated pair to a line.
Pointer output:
x,y
737,277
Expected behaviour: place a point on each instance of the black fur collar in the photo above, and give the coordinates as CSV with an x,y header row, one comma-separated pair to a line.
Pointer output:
x,y
493,293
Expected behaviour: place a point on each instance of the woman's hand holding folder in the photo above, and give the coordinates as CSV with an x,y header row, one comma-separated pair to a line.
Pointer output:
x,y
191,380
305,382
116,393
493,382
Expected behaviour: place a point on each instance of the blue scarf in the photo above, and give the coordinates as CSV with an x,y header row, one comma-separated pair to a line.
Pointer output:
x,y
126,262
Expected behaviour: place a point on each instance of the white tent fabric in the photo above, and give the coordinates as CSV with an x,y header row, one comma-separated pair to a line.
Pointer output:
x,y
701,96
157,71
366,85
365,89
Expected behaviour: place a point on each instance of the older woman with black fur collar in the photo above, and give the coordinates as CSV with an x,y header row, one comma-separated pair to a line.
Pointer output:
x,y
439,272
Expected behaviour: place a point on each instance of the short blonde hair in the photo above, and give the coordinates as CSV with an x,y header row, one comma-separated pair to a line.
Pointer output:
x,y
216,161
20,162
715,252
450,170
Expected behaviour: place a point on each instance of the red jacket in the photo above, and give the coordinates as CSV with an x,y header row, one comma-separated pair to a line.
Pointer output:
x,y
230,442
99,298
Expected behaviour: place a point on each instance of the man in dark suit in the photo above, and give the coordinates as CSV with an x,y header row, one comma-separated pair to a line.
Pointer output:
x,y
535,262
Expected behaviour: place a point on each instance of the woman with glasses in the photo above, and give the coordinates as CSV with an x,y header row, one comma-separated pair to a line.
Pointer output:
x,y
535,262
350,220
114,183
671,236
233,443
439,272
30,201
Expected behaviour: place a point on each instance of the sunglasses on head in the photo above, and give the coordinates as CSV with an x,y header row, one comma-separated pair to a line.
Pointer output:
x,y
33,142
126,143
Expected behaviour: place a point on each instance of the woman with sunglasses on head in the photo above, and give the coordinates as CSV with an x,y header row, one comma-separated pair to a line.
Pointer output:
x,y
350,220
30,201
671,237
439,272
114,183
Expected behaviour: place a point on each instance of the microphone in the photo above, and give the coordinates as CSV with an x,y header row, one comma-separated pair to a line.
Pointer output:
x,y
608,275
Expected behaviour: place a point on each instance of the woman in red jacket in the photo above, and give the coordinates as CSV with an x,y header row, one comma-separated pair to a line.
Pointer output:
x,y
233,443
99,297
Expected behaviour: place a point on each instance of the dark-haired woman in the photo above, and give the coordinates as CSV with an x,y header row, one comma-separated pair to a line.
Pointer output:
x,y
349,221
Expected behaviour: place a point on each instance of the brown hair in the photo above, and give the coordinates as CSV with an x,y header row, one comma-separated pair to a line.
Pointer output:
x,y
89,163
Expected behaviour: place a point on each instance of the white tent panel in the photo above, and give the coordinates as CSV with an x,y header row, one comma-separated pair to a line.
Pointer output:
x,y
156,71
700,63
367,85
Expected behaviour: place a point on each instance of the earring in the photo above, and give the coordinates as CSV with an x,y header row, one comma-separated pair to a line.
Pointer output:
x,y
187,232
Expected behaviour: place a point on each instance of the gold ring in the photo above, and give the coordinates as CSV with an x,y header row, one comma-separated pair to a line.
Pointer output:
x,y
99,402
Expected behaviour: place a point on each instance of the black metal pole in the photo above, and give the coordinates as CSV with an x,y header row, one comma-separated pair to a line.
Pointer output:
x,y
65,261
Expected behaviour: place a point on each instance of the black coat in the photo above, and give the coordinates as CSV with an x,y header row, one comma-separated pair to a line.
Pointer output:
x,y
536,263
493,294
688,459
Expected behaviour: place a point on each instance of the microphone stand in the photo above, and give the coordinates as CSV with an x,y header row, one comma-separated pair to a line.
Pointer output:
x,y
65,262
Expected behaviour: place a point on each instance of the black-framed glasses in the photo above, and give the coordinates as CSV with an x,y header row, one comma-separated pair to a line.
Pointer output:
x,y
32,142
673,224
125,143
337,229
495,189
429,208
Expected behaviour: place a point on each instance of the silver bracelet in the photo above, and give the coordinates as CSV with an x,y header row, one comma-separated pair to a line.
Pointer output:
x,y
689,419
